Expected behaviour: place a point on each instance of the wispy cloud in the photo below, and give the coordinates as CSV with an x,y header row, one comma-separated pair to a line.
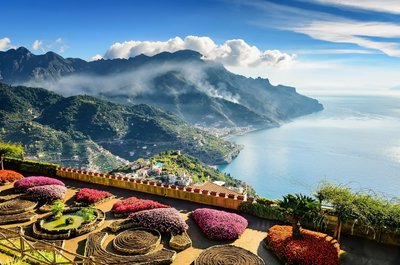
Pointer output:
x,y
385,6
355,32
331,28
37,44
336,51
231,52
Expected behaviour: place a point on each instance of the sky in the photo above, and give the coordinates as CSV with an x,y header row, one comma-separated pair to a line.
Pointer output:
x,y
328,46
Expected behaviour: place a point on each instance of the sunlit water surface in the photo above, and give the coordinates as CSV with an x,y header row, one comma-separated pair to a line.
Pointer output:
x,y
355,141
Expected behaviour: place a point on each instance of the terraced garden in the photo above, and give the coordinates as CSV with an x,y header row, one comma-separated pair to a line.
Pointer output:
x,y
130,227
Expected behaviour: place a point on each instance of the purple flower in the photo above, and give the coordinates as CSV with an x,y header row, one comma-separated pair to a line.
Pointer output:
x,y
219,224
29,182
165,220
47,193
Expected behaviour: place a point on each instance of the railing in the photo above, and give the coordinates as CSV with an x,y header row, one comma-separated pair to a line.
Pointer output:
x,y
230,201
22,247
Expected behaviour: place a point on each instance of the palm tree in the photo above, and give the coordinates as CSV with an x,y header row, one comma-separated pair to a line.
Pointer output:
x,y
295,208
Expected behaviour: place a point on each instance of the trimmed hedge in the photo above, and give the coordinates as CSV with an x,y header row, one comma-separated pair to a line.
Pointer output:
x,y
262,210
31,167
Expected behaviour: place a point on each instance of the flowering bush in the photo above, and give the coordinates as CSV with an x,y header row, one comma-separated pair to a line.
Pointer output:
x,y
219,224
47,193
162,219
29,182
90,196
133,204
9,176
314,249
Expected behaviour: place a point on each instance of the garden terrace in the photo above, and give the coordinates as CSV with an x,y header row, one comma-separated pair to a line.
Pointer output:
x,y
95,249
227,254
368,252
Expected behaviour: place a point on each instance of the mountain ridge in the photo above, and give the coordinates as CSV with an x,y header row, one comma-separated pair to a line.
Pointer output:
x,y
200,91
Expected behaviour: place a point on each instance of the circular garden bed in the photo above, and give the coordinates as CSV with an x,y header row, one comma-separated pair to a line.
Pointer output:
x,y
72,223
137,241
227,254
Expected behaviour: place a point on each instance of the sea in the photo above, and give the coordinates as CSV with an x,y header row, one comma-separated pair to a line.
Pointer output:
x,y
354,142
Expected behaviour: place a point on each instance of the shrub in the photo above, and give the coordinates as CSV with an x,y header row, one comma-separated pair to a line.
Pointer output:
x,y
133,204
30,182
219,224
47,193
89,196
87,214
57,208
262,210
165,220
315,248
9,176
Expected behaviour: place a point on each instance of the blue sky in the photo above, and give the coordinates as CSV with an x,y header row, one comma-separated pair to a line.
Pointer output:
x,y
340,45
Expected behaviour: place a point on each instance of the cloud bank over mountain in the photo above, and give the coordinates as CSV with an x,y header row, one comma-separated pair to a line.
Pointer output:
x,y
235,52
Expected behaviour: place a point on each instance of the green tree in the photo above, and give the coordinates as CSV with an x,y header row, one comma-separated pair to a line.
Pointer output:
x,y
295,208
9,149
57,208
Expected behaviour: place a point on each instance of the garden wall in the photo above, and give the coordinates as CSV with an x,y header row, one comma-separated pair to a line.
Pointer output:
x,y
229,201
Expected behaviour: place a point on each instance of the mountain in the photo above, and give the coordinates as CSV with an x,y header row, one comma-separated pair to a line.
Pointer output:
x,y
83,130
200,91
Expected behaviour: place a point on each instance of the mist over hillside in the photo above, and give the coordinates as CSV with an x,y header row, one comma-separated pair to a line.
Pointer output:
x,y
200,91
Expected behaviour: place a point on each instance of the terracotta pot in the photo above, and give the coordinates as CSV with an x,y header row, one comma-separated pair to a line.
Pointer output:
x,y
222,194
196,190
205,192
189,189
240,197
213,193
151,183
173,187
231,196
180,188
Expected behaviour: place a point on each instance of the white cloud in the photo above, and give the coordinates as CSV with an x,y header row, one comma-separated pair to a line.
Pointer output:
x,y
231,52
386,6
37,44
95,58
5,44
355,32
336,51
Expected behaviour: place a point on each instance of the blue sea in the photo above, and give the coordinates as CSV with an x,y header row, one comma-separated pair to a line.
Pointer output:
x,y
354,141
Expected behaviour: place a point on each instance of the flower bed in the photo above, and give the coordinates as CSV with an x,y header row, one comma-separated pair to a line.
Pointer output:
x,y
30,182
315,248
47,193
7,176
133,205
91,196
219,224
165,220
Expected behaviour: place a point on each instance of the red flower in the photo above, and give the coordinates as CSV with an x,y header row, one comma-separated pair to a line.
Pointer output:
x,y
90,196
314,249
9,176
133,204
